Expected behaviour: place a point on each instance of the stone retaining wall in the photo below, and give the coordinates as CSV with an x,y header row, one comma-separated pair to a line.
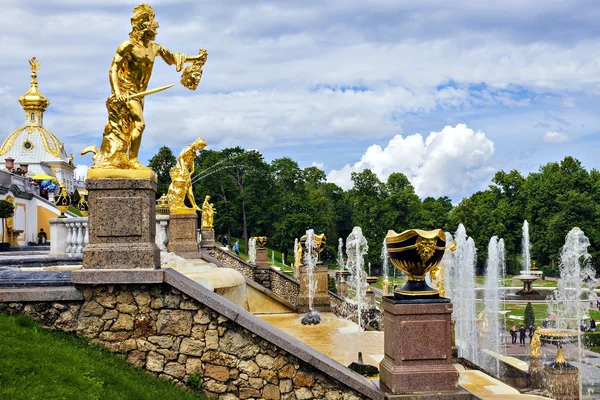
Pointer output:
x,y
178,328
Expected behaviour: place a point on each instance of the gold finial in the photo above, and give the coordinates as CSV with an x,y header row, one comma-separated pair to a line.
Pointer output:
x,y
35,65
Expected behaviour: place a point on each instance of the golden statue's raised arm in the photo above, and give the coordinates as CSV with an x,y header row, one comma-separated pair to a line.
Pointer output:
x,y
129,74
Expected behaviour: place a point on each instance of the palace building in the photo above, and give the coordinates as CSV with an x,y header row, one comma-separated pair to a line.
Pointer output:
x,y
32,151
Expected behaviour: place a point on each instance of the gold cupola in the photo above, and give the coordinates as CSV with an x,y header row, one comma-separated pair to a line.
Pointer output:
x,y
33,100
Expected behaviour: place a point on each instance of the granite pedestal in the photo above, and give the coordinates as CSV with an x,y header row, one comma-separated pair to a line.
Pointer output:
x,y
122,224
262,257
417,347
182,234
321,301
536,372
562,383
208,238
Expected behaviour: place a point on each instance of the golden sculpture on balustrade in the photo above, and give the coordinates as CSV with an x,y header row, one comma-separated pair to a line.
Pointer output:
x,y
208,213
129,74
181,180
535,349
261,241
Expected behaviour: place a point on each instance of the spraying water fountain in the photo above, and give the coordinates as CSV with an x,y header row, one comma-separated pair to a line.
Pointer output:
x,y
356,249
491,330
568,308
528,275
460,287
314,295
386,269
252,251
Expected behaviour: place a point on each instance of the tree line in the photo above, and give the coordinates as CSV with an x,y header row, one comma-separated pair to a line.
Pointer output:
x,y
280,200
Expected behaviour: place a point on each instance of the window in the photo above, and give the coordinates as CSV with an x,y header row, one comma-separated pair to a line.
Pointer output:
x,y
32,117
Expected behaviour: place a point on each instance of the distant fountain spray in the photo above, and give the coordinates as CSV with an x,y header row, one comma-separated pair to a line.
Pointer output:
x,y
490,327
252,251
356,249
340,254
385,261
310,262
461,289
295,268
526,246
569,303
272,257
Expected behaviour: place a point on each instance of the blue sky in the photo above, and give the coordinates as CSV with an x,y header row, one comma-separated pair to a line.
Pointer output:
x,y
344,85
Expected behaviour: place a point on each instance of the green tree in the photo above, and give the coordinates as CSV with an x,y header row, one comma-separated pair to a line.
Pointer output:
x,y
161,163
529,315
7,210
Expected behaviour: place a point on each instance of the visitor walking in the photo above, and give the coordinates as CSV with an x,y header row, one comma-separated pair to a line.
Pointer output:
x,y
225,241
531,332
236,247
522,335
513,333
592,325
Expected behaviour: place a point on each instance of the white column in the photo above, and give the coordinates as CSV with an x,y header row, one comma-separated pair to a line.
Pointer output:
x,y
86,238
79,228
68,248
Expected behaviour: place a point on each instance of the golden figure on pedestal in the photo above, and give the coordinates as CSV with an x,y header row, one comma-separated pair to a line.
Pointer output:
x,y
181,180
129,75
208,213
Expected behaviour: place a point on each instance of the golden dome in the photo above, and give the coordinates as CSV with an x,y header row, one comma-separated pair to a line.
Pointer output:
x,y
33,100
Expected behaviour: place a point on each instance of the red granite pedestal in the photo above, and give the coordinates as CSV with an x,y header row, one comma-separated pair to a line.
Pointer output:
x,y
321,300
418,349
183,239
261,257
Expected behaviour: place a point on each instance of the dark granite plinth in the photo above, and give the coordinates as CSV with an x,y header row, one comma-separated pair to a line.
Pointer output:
x,y
562,383
14,278
536,372
417,347
183,233
122,224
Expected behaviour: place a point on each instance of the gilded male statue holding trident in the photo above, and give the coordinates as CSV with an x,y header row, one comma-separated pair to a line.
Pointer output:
x,y
129,74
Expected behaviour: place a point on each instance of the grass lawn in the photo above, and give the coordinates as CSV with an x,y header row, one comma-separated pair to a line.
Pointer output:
x,y
40,364
508,281
287,268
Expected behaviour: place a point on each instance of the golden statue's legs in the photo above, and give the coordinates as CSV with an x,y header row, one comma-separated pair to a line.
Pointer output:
x,y
137,114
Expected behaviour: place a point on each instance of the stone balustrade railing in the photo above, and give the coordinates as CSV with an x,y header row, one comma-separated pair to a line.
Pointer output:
x,y
69,236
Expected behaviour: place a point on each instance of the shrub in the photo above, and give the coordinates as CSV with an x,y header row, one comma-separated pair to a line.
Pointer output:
x,y
529,315
331,285
591,339
194,381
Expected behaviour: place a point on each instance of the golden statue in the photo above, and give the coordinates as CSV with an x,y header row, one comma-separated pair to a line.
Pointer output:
x,y
35,64
535,349
181,180
208,213
129,75
298,256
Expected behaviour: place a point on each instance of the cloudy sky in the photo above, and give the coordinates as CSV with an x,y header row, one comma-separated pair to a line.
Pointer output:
x,y
446,92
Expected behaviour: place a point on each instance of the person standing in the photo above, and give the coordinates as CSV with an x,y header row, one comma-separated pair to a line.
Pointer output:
x,y
225,241
513,333
522,335
531,332
236,247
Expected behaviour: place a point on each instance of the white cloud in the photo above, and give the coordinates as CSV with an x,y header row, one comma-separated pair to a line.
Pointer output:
x,y
555,137
447,163
319,165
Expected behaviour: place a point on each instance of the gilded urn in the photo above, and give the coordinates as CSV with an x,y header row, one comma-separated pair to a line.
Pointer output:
x,y
320,241
261,241
62,201
416,252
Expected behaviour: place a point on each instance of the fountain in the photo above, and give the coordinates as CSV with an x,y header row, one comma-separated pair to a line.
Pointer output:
x,y
356,249
295,265
313,277
528,275
341,275
460,287
492,333
252,251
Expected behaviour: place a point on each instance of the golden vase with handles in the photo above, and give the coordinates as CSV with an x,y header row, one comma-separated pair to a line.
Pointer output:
x,y
416,252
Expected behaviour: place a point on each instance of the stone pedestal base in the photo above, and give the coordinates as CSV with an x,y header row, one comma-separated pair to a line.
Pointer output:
x,y
370,300
182,233
261,257
342,289
536,372
208,238
122,224
321,301
417,347
562,383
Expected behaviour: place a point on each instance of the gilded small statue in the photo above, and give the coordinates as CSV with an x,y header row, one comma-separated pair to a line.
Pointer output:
x,y
181,180
535,349
208,213
298,257
129,75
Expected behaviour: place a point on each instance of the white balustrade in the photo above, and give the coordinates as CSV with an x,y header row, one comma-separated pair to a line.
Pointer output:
x,y
70,235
